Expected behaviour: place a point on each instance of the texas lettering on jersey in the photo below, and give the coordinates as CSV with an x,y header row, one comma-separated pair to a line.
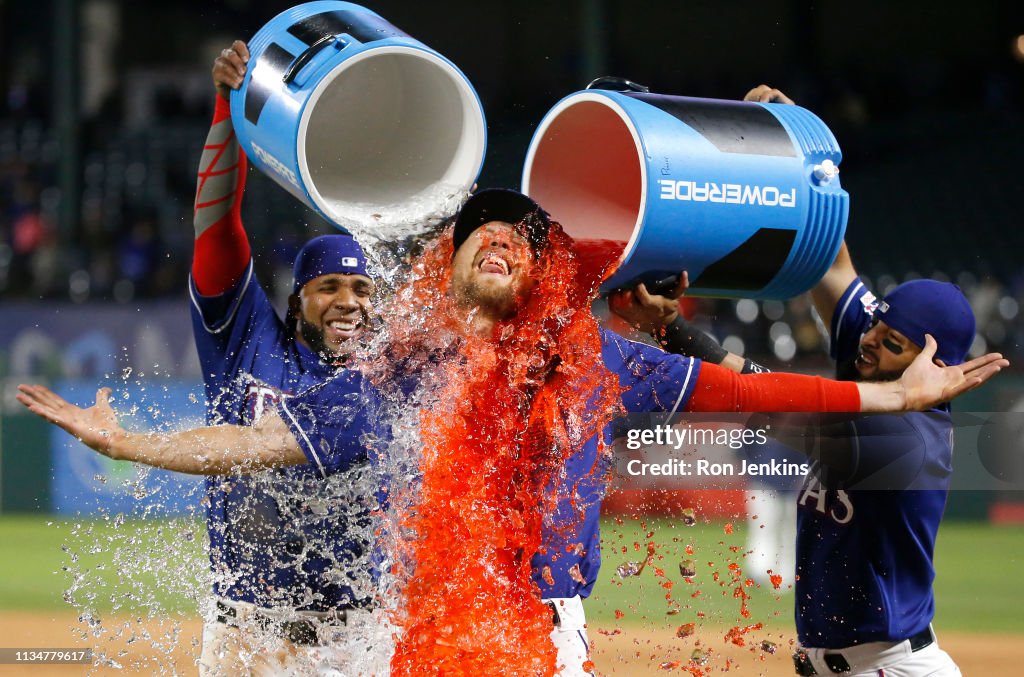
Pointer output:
x,y
832,503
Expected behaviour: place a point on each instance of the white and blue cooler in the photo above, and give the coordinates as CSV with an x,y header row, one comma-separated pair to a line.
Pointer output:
x,y
744,196
355,118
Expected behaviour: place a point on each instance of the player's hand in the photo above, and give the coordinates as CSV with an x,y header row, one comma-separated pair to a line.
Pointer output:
x,y
928,382
96,426
648,312
229,68
766,94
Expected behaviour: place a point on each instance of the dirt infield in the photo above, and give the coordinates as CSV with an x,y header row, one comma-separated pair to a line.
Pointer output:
x,y
170,648
151,647
643,652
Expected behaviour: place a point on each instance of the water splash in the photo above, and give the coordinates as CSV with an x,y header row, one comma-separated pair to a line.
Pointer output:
x,y
138,577
374,224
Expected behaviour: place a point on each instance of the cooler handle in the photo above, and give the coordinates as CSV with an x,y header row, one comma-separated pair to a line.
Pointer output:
x,y
616,84
306,56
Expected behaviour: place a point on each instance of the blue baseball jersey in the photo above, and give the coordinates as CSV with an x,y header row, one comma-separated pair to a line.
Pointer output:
x,y
866,532
278,539
568,561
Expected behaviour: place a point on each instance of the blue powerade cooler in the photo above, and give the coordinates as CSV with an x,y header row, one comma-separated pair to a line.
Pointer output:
x,y
743,196
356,118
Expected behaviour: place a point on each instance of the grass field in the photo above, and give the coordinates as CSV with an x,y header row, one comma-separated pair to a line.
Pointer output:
x,y
135,564
159,564
978,584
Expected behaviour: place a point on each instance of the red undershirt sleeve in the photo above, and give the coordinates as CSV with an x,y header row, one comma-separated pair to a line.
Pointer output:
x,y
221,250
719,390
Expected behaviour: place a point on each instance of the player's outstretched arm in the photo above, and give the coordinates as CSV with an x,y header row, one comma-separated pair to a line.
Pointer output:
x,y
213,450
923,385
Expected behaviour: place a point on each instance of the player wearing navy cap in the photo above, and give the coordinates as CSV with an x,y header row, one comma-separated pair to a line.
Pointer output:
x,y
869,512
867,529
493,272
281,550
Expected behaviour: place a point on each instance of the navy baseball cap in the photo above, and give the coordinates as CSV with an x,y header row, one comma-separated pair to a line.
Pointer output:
x,y
503,204
326,255
922,307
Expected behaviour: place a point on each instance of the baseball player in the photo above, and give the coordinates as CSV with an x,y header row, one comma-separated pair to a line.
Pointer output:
x,y
493,273
869,512
283,554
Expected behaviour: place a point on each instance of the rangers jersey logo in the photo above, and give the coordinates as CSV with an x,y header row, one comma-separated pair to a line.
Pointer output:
x,y
258,399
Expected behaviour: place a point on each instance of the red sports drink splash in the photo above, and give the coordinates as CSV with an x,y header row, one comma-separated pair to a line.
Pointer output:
x,y
505,412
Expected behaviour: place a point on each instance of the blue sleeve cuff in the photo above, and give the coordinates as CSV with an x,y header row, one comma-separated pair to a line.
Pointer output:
x,y
850,319
218,312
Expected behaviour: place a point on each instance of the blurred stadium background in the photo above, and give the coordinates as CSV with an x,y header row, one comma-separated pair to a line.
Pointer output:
x,y
104,105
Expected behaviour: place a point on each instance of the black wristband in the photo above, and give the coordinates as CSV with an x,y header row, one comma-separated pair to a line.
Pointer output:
x,y
684,338
751,367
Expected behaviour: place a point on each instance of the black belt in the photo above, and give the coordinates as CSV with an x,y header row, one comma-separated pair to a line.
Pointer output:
x,y
555,618
838,664
301,631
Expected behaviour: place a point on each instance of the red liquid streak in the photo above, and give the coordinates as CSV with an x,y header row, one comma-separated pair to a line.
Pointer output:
x,y
505,415
598,259
735,635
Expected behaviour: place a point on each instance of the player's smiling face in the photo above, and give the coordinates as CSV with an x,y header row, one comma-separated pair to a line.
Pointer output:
x,y
332,310
884,353
492,270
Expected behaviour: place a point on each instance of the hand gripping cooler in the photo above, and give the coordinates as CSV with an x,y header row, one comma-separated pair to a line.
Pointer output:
x,y
744,196
355,117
